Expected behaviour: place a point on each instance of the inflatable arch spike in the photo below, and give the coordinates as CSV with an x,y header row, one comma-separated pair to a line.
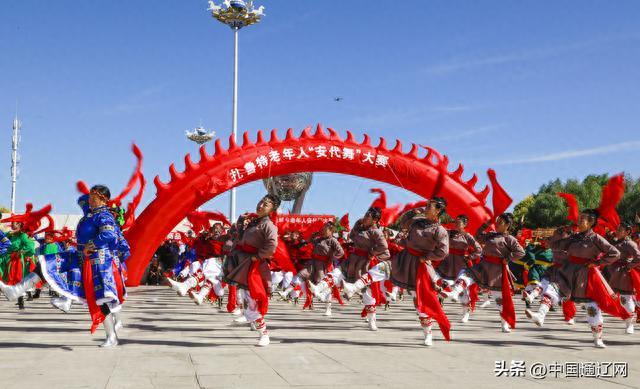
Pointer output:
x,y
320,151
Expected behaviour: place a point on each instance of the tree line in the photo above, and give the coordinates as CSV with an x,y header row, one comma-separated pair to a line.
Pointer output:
x,y
545,209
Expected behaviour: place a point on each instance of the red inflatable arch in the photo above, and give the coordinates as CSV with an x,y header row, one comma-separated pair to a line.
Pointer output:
x,y
322,151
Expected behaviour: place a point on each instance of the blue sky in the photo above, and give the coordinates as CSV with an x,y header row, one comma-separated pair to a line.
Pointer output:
x,y
537,90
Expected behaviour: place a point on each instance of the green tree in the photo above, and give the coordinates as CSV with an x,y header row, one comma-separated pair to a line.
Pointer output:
x,y
629,207
521,209
545,209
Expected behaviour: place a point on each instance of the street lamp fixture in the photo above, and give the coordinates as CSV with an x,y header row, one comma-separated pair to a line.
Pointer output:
x,y
200,135
236,13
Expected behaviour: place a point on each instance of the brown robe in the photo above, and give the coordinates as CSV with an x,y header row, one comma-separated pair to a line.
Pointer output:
x,y
617,274
429,239
263,235
450,266
370,240
571,278
488,275
316,269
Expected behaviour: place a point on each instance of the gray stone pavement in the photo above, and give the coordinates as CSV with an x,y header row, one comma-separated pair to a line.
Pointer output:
x,y
169,342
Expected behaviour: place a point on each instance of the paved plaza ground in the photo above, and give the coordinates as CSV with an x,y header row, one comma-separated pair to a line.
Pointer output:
x,y
169,342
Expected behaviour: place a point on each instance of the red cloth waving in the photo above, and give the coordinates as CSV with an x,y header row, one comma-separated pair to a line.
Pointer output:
x,y
257,290
508,310
427,301
635,280
601,293
97,317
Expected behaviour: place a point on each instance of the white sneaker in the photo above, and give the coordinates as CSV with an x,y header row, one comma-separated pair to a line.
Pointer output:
x,y
253,326
316,289
349,289
465,316
537,317
428,339
240,320
181,287
109,329
327,312
284,294
505,326
598,343
117,320
629,329
62,303
237,312
571,321
199,297
325,296
485,304
391,296
372,323
454,295
264,340
529,297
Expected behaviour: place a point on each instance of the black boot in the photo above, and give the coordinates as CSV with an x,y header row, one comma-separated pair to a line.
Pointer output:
x,y
29,296
20,302
36,295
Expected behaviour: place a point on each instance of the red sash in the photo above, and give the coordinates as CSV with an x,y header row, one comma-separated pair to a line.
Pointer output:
x,y
257,291
308,301
416,253
508,309
635,281
376,291
599,291
474,296
118,280
458,252
578,260
335,292
318,257
568,310
247,248
231,300
360,253
494,260
97,317
427,301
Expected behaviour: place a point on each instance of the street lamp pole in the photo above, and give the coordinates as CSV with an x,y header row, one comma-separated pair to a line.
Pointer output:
x,y
234,118
235,14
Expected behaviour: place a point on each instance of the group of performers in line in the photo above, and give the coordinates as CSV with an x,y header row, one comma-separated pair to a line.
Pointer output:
x,y
250,261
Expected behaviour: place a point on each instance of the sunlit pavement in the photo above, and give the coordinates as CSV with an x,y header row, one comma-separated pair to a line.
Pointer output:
x,y
169,342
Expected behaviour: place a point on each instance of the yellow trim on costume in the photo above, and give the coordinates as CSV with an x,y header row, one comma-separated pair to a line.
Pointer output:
x,y
542,263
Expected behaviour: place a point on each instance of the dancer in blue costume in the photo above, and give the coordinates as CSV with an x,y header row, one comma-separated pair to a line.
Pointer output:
x,y
99,238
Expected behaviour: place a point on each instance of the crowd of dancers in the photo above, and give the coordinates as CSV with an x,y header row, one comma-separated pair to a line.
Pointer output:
x,y
251,262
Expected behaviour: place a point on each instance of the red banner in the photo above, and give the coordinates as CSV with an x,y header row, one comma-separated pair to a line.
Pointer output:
x,y
295,222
